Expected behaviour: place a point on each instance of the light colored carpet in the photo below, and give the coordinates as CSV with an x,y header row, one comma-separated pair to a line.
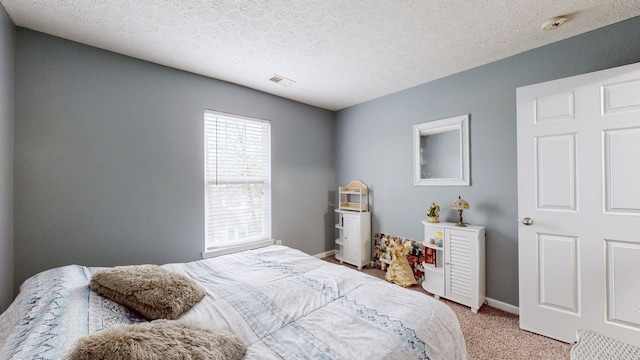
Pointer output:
x,y
492,333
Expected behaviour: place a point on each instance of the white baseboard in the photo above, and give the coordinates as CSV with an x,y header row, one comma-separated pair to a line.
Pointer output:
x,y
503,306
325,254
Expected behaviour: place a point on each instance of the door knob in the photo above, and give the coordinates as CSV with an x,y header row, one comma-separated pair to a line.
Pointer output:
x,y
527,221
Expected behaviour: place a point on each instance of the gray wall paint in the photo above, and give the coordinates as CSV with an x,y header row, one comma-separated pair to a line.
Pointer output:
x,y
109,159
382,157
7,50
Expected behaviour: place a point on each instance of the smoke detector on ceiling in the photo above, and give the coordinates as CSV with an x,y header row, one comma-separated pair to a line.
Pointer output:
x,y
554,22
281,80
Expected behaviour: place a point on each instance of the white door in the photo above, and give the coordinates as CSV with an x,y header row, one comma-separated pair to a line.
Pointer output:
x,y
579,205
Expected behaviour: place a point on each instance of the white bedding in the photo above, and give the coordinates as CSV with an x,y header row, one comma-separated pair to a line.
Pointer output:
x,y
283,303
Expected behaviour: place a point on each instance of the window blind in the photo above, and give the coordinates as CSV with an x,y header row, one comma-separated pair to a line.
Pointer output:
x,y
237,180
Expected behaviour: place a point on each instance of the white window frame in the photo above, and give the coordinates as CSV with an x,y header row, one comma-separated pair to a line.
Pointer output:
x,y
221,174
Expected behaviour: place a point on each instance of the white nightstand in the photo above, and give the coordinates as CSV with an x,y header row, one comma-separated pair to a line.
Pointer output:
x,y
459,274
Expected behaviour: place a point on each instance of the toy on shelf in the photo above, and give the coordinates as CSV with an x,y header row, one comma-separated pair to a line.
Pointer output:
x,y
354,196
433,215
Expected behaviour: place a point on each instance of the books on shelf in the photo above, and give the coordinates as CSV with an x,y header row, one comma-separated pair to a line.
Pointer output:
x,y
430,258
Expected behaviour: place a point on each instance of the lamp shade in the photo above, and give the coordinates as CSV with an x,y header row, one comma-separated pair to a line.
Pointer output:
x,y
460,204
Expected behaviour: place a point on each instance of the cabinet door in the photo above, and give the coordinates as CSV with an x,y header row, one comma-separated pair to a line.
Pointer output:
x,y
351,238
460,273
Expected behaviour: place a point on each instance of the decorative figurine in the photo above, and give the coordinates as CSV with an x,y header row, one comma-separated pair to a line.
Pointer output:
x,y
433,216
400,271
438,238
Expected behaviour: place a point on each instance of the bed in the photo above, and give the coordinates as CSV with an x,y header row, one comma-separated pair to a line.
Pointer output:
x,y
282,303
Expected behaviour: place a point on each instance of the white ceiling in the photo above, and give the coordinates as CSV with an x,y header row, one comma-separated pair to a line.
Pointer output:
x,y
337,52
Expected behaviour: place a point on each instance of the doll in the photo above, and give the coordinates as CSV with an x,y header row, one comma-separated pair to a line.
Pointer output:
x,y
399,271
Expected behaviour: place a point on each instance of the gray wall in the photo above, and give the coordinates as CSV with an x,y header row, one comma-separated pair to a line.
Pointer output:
x,y
7,49
109,159
382,157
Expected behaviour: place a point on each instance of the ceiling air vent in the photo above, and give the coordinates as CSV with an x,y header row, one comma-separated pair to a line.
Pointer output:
x,y
281,80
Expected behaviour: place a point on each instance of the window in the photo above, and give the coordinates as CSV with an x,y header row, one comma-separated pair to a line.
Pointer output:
x,y
237,183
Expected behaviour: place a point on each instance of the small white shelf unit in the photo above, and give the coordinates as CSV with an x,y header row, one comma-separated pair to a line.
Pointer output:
x,y
459,274
354,196
354,225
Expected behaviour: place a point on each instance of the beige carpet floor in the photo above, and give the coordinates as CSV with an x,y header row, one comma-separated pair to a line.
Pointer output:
x,y
493,333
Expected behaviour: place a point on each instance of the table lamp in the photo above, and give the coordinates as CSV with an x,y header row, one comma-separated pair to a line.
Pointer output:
x,y
460,205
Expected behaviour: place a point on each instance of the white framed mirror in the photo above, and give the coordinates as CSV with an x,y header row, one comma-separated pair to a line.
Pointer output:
x,y
441,152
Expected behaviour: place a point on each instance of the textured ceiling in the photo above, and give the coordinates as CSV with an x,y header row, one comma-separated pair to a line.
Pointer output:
x,y
337,52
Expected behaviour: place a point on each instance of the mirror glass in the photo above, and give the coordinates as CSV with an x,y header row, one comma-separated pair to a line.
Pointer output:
x,y
441,152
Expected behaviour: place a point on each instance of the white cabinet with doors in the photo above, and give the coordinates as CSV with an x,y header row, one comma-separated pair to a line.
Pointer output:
x,y
459,271
354,241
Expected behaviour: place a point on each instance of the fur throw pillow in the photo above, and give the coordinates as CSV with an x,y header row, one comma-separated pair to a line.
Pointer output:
x,y
158,340
153,291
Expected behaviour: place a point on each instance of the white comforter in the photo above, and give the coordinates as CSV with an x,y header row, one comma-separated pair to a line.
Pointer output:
x,y
283,303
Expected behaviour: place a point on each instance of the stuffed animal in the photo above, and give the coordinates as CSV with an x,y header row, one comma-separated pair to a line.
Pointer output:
x,y
399,271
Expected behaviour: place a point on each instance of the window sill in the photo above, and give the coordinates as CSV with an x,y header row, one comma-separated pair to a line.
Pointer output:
x,y
233,248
